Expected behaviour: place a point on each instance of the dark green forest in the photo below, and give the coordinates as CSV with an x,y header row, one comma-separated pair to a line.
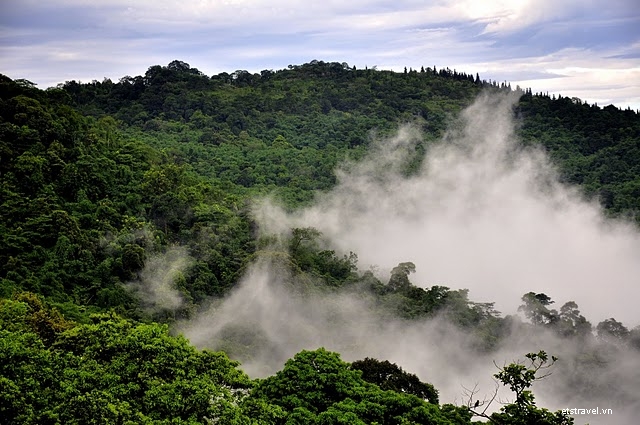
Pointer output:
x,y
100,179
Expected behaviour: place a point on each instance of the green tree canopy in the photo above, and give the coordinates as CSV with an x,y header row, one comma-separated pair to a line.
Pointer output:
x,y
390,376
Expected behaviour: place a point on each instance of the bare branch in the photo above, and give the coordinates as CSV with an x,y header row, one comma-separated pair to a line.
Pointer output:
x,y
480,407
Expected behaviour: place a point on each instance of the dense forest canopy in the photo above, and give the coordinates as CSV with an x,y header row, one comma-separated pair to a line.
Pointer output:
x,y
129,204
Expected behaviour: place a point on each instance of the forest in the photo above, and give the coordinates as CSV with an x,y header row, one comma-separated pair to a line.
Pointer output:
x,y
131,210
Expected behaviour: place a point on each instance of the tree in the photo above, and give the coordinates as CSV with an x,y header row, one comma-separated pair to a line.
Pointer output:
x,y
612,331
109,371
313,380
177,65
317,387
400,276
300,236
571,322
535,309
634,338
107,128
390,376
519,377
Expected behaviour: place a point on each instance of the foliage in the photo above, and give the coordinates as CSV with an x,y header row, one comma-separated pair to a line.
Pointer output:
x,y
110,371
84,208
179,154
316,387
307,256
390,376
400,276
611,330
519,378
97,180
535,309
567,323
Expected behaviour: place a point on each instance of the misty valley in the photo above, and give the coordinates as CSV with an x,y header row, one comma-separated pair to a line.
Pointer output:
x,y
316,245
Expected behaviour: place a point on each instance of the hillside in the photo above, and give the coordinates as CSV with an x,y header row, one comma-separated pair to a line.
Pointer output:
x,y
136,200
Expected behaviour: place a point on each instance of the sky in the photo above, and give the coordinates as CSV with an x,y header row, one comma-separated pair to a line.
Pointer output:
x,y
588,49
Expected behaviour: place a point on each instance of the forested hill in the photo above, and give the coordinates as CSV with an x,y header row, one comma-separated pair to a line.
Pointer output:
x,y
107,186
334,106
95,176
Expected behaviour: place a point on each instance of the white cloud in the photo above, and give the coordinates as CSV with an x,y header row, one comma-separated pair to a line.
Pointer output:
x,y
593,76
511,15
482,215
155,286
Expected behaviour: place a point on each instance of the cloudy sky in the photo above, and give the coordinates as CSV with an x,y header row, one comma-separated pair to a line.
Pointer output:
x,y
584,48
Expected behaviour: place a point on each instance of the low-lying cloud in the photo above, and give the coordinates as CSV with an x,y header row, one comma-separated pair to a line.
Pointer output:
x,y
481,212
272,315
155,286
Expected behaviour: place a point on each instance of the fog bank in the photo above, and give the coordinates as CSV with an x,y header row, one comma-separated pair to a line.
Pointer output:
x,y
481,213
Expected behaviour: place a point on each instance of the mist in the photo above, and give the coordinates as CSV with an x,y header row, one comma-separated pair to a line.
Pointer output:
x,y
155,285
483,213
272,315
